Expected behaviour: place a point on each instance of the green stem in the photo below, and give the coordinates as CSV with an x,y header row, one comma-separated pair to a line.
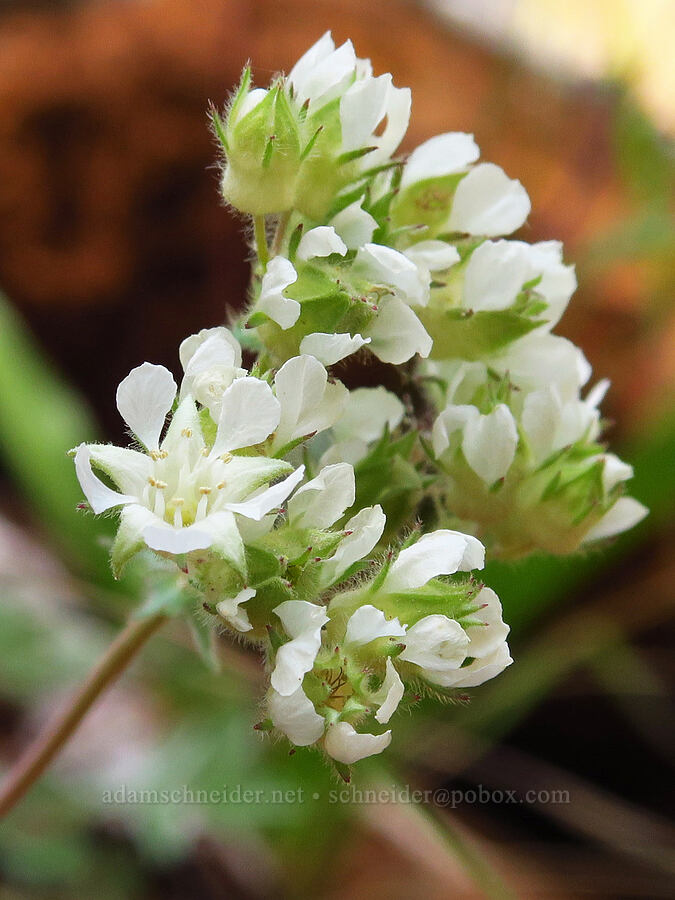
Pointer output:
x,y
261,240
47,745
280,233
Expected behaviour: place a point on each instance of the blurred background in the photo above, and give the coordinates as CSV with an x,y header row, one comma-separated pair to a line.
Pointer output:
x,y
113,247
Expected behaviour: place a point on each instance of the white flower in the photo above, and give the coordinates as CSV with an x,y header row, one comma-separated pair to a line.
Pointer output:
x,y
344,744
279,274
362,532
229,610
390,694
368,623
321,241
488,202
354,225
302,622
441,552
323,71
488,442
295,716
387,267
309,402
211,361
180,495
444,154
550,424
321,501
397,334
623,515
331,348
540,359
437,644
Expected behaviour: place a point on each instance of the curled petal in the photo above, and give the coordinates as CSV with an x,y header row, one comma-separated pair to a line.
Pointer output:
x,y
347,746
271,498
386,266
491,631
279,274
249,413
229,610
442,552
192,344
477,672
295,716
321,241
303,622
368,623
99,495
389,695
488,202
437,644
331,348
625,513
144,398
444,154
324,499
362,532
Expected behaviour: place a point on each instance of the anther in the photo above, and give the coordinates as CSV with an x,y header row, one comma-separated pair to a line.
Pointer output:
x,y
221,485
226,457
187,432
204,490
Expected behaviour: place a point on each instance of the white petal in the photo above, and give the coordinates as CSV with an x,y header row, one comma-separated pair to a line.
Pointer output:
x,y
436,256
308,402
390,694
331,348
367,413
614,471
269,499
129,469
248,104
488,202
477,672
442,552
363,531
540,419
354,225
144,398
437,644
386,266
441,155
495,274
452,419
362,108
214,363
625,513
323,72
369,623
321,241
324,499
229,610
397,111
191,344
311,59
489,443
539,360
296,717
99,495
302,621
347,746
486,637
558,281
397,334
279,274
164,537
249,414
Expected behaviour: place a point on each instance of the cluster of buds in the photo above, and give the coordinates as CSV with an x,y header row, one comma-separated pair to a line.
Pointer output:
x,y
301,513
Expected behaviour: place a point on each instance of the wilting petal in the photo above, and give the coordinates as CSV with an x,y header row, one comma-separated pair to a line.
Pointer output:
x,y
269,499
279,274
489,443
625,513
442,155
368,623
302,622
144,398
363,531
321,241
229,610
347,746
249,414
354,225
295,716
331,348
488,202
397,334
324,499
442,552
99,495
389,695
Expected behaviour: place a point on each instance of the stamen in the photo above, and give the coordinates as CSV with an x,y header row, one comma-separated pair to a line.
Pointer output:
x,y
187,432
221,485
226,457
178,513
202,507
204,490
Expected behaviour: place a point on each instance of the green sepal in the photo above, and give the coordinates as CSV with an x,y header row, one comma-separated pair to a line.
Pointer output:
x,y
426,202
472,336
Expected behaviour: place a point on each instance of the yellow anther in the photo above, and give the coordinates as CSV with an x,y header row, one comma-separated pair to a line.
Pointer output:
x,y
226,457
204,490
178,501
187,432
221,485
160,485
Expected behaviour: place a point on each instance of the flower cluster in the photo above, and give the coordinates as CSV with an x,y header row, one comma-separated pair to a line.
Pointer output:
x,y
302,513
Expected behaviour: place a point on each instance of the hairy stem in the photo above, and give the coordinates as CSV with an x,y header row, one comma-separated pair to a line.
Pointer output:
x,y
47,745
280,233
261,240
